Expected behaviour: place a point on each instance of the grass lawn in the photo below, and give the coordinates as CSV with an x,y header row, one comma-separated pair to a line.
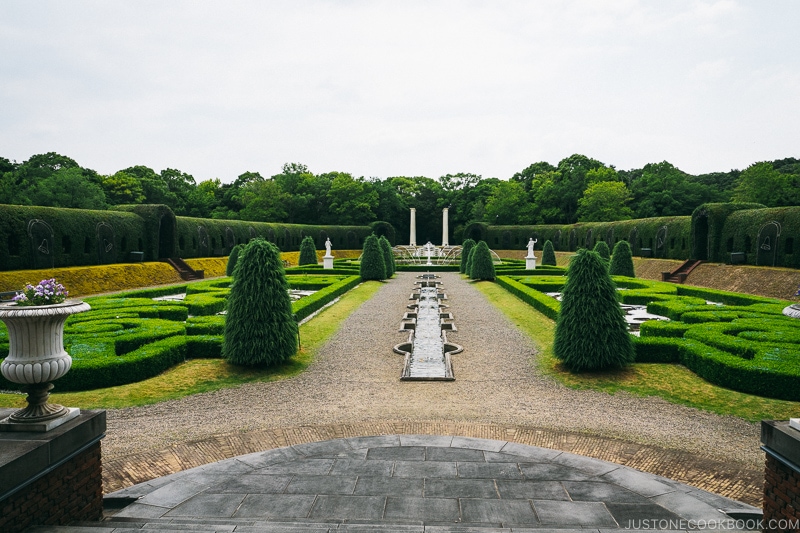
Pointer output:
x,y
202,375
672,382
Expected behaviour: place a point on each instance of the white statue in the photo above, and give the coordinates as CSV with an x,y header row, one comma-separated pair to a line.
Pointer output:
x,y
531,242
328,246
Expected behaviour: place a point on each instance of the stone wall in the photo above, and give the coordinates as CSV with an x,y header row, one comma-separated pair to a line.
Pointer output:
x,y
72,491
781,506
53,477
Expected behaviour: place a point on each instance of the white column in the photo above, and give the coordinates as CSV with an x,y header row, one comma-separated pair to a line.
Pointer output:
x,y
445,230
412,240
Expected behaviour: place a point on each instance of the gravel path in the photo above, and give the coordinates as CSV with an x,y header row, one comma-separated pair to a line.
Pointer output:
x,y
355,378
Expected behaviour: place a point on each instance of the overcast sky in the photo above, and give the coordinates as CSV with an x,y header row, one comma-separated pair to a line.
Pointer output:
x,y
396,88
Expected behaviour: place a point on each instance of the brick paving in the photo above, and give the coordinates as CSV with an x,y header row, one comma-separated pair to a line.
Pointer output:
x,y
732,481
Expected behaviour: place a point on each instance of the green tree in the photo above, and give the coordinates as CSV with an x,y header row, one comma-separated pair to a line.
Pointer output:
x,y
233,258
68,187
466,248
603,251
548,254
351,200
622,260
508,204
373,266
529,175
122,188
181,185
263,201
591,333
664,190
570,184
205,198
605,201
260,328
388,255
308,251
482,264
761,183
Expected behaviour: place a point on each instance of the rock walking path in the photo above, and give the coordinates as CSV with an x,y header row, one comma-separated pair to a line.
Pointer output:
x,y
353,389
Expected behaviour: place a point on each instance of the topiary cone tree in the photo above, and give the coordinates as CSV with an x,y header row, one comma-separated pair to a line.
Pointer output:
x,y
388,255
308,251
591,333
466,248
622,260
232,259
482,264
548,254
373,265
602,249
260,328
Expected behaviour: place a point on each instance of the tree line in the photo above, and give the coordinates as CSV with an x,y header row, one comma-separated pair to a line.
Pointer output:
x,y
577,189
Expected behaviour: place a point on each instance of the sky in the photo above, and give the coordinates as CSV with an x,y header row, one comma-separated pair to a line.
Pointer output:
x,y
388,88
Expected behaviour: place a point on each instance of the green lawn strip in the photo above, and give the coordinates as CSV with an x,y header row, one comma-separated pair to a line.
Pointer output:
x,y
672,382
202,375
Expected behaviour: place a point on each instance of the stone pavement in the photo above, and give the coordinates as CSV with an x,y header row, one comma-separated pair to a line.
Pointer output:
x,y
416,483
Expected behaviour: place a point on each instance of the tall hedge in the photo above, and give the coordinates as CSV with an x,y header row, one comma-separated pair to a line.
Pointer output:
x,y
602,249
548,254
621,260
308,252
591,333
260,328
388,256
482,264
232,259
373,265
466,248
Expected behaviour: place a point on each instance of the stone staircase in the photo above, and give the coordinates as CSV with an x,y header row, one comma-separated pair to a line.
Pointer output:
x,y
680,274
187,273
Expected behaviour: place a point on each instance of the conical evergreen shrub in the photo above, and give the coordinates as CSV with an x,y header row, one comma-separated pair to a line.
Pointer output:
x,y
466,248
233,257
388,256
308,251
482,264
470,257
260,328
548,254
373,265
622,260
602,249
591,333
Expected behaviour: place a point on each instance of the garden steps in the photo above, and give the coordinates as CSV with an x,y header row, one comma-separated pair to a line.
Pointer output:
x,y
680,274
187,273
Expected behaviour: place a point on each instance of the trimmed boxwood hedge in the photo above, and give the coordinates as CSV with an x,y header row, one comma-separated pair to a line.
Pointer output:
x,y
48,237
128,337
746,345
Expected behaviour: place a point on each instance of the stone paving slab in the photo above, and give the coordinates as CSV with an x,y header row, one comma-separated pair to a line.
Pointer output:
x,y
266,447
430,484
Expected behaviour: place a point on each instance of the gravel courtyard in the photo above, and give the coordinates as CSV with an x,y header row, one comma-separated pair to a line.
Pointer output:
x,y
355,380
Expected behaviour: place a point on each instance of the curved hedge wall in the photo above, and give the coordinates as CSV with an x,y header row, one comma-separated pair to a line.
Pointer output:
x,y
665,237
768,237
46,237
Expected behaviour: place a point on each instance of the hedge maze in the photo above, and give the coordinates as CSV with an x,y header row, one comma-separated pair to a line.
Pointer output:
x,y
737,341
131,337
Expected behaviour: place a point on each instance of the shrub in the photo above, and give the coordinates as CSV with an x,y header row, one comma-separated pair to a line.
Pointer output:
x,y
373,266
548,254
388,255
232,258
482,264
260,328
591,333
308,252
621,260
602,249
466,248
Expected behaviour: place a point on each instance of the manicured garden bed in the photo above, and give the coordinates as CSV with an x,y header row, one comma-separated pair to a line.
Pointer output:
x,y
745,344
130,337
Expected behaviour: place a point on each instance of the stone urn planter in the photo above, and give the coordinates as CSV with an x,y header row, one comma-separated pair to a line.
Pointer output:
x,y
36,357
